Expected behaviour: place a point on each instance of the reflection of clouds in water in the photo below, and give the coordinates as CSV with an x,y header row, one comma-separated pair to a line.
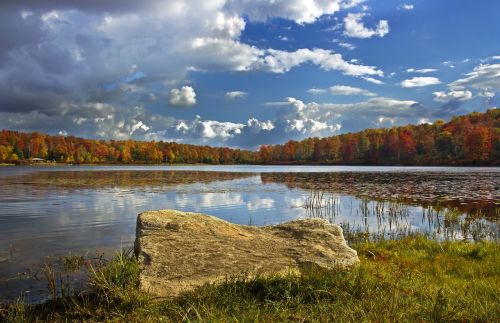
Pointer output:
x,y
295,202
208,200
258,203
57,220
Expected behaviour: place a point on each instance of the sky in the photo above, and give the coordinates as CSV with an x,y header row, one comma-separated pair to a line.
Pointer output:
x,y
243,73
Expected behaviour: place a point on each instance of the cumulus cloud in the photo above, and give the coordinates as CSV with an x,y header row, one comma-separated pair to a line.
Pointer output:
x,y
91,66
420,82
297,10
482,77
421,71
227,54
452,95
183,97
347,4
226,26
302,119
67,55
279,61
256,126
296,118
354,27
235,95
209,129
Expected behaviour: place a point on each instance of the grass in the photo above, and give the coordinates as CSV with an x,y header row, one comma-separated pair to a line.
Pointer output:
x,y
412,279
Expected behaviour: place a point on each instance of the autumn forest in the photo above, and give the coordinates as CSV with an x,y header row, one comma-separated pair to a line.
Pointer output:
x,y
472,139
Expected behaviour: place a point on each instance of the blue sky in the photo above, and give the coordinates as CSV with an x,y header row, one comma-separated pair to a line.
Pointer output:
x,y
243,73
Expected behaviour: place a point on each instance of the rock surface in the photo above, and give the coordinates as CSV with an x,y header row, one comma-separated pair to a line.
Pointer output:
x,y
180,251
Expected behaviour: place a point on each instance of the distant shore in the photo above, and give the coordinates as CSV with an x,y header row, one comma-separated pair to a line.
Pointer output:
x,y
53,163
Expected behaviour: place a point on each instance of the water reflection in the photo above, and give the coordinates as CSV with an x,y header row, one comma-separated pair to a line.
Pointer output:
x,y
55,212
472,192
379,219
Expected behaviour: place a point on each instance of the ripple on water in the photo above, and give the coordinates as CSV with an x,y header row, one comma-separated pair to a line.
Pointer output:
x,y
88,210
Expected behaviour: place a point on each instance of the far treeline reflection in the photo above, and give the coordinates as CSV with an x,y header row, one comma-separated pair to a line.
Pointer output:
x,y
470,193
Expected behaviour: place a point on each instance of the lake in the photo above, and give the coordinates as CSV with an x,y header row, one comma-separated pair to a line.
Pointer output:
x,y
52,211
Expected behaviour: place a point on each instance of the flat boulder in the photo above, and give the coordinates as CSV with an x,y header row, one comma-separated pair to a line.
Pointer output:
x,y
180,251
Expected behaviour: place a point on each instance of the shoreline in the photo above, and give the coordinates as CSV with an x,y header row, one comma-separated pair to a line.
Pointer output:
x,y
236,165
415,278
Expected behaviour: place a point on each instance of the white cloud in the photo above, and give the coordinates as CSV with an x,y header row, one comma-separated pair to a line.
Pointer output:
x,y
341,90
299,11
452,96
487,94
299,119
226,54
226,26
256,126
349,90
449,64
310,127
277,103
324,119
354,27
209,129
183,97
405,6
378,106
348,46
385,122
482,77
235,95
350,3
422,71
164,40
315,91
138,125
420,82
372,80
278,61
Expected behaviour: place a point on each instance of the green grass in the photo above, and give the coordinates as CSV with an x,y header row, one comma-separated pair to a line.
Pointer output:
x,y
412,279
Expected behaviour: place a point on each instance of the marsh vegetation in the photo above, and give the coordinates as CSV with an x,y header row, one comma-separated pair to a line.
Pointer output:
x,y
412,279
91,212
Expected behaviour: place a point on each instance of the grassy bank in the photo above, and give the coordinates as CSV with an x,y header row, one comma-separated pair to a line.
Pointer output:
x,y
414,279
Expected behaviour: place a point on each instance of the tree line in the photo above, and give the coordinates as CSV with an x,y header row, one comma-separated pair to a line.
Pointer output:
x,y
469,139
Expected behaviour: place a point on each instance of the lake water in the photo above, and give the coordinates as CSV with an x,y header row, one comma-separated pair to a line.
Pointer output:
x,y
51,211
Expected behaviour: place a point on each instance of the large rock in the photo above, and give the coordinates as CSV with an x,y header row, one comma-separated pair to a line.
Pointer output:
x,y
180,251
